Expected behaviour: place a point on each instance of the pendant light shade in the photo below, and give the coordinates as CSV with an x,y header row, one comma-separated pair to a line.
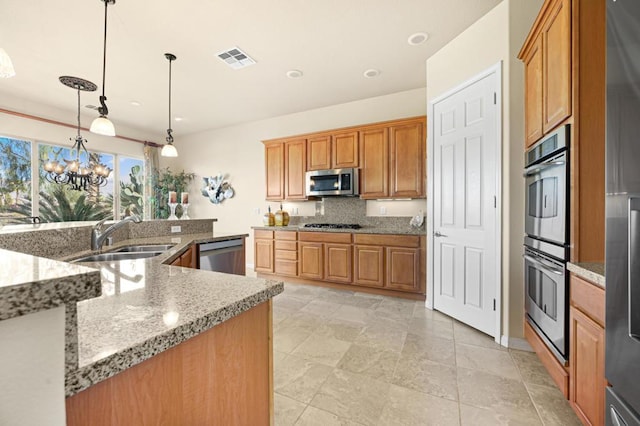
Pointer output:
x,y
102,125
169,150
6,66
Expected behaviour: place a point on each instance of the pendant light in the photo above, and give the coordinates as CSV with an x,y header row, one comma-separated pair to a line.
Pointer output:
x,y
102,125
6,66
79,176
169,150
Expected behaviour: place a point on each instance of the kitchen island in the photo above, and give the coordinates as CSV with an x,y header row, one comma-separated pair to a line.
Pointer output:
x,y
173,345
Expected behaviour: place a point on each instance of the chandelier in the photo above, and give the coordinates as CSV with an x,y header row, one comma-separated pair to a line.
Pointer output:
x,y
78,175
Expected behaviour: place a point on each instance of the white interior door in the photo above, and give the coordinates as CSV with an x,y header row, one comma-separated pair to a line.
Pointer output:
x,y
465,200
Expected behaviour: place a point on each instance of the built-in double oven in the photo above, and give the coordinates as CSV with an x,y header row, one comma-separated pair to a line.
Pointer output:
x,y
547,240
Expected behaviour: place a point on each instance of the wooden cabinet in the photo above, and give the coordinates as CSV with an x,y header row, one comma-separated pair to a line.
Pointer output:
x,y
533,93
407,160
344,150
556,78
547,59
311,260
286,253
369,265
587,382
403,268
263,251
274,166
295,157
337,264
187,259
374,163
319,152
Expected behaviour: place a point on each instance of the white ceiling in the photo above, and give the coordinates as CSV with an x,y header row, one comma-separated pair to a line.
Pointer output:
x,y
331,41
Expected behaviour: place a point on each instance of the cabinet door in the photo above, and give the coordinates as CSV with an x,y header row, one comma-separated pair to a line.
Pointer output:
x,y
187,258
586,381
556,45
337,262
368,266
403,269
533,93
263,256
295,160
274,166
374,163
344,150
319,153
311,260
407,161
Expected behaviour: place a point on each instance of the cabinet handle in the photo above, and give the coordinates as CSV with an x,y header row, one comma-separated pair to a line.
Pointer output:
x,y
633,253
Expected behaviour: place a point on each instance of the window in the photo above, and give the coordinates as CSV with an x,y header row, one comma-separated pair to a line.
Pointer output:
x,y
122,195
15,179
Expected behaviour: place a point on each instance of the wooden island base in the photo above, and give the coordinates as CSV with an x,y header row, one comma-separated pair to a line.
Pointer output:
x,y
223,376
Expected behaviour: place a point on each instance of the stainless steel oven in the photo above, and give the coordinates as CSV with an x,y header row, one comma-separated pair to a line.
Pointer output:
x,y
547,187
546,300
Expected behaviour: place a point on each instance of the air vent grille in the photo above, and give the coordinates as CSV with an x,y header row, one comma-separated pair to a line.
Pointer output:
x,y
236,58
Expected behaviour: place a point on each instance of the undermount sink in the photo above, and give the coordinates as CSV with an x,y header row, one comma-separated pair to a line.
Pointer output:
x,y
113,256
144,248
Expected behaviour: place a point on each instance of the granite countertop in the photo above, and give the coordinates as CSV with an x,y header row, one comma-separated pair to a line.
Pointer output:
x,y
590,271
405,230
29,284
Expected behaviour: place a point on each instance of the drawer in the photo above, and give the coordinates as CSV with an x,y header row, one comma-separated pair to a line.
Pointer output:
x,y
286,267
286,255
387,240
286,245
263,235
286,235
326,237
589,298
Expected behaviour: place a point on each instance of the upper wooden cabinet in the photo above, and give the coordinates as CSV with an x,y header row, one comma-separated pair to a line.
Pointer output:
x,y
547,59
295,157
391,157
274,167
319,152
344,150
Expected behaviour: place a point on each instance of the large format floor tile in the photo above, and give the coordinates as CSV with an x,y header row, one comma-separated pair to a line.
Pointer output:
x,y
352,359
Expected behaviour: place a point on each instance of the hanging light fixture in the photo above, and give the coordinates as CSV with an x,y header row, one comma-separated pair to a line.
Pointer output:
x,y
169,150
6,66
102,125
79,176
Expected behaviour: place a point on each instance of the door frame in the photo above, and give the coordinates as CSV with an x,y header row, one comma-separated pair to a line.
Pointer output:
x,y
497,70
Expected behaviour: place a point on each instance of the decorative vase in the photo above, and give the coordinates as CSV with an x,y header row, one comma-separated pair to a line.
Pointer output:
x,y
282,217
269,219
185,211
172,208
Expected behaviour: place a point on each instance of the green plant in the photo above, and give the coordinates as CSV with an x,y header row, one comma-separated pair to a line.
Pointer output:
x,y
164,181
56,206
132,193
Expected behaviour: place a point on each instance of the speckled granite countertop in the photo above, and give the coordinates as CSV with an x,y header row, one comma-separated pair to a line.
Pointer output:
x,y
29,284
147,307
590,271
406,230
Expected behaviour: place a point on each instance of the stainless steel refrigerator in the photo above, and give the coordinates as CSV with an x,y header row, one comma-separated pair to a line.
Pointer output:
x,y
623,213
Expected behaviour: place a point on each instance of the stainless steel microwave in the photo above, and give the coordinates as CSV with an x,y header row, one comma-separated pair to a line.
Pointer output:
x,y
332,182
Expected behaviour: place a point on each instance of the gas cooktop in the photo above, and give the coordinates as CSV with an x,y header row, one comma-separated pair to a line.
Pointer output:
x,y
333,225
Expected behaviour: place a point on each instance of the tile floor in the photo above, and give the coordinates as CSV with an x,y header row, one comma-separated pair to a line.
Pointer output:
x,y
345,358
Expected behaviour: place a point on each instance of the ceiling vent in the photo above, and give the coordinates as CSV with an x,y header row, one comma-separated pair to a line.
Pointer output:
x,y
236,58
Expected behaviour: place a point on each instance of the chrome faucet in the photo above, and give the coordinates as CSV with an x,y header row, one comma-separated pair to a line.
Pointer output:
x,y
98,237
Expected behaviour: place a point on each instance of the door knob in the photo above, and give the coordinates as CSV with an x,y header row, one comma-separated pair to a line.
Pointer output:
x,y
438,234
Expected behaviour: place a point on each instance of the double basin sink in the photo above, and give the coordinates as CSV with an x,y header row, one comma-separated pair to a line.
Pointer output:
x,y
127,253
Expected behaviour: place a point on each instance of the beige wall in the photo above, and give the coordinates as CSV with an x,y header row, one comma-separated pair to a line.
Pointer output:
x,y
238,152
497,37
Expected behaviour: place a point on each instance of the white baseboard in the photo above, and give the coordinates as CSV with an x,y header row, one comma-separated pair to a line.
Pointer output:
x,y
515,343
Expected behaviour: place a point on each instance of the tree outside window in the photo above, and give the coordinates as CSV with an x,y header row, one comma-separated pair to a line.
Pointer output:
x,y
131,186
15,178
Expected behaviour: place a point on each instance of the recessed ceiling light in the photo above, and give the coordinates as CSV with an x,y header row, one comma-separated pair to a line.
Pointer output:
x,y
178,118
294,74
417,38
135,103
371,73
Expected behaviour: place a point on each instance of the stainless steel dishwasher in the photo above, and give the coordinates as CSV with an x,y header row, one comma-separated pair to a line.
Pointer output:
x,y
223,256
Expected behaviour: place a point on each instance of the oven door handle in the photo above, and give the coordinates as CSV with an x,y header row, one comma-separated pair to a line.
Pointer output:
x,y
544,265
541,167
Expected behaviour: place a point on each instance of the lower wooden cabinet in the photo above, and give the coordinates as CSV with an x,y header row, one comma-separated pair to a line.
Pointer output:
x,y
311,260
369,265
337,265
587,382
188,259
403,268
263,251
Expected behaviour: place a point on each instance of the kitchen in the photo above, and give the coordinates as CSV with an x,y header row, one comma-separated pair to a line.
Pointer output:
x,y
235,149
